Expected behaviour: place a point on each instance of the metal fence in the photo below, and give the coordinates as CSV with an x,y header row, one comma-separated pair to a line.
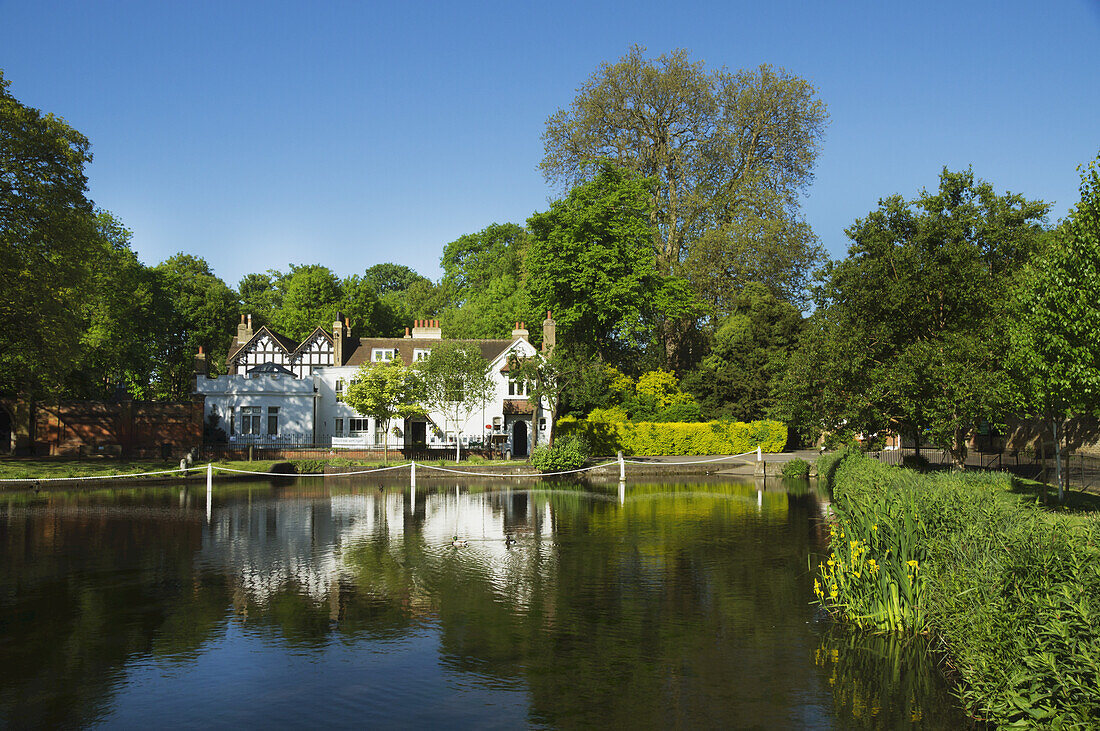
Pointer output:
x,y
266,450
1083,470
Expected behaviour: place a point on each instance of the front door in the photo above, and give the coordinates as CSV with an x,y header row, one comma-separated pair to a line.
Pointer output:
x,y
419,433
519,439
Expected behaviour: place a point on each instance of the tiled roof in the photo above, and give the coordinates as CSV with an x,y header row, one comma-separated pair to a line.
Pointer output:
x,y
490,349
516,406
284,342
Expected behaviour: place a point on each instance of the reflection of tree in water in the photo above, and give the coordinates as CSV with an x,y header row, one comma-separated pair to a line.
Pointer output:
x,y
887,681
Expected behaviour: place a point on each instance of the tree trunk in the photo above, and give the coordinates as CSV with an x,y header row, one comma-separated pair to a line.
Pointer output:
x,y
458,446
1058,460
958,450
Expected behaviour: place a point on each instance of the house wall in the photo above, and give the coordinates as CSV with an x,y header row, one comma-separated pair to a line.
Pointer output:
x,y
293,397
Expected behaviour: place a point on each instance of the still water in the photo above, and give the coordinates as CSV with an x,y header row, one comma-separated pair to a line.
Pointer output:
x,y
344,604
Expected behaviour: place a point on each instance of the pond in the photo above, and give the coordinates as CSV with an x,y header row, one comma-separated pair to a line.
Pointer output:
x,y
343,603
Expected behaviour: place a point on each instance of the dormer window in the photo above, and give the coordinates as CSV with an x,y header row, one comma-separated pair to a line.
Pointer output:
x,y
517,388
420,354
382,355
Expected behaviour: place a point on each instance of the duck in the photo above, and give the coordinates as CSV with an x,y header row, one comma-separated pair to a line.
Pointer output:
x,y
459,544
509,541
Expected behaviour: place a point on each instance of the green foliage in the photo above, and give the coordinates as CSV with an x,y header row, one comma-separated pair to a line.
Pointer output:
x,y
910,328
1011,589
385,391
567,453
456,382
748,353
591,262
309,466
796,468
47,239
648,438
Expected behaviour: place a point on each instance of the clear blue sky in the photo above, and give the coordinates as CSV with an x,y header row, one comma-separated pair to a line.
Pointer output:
x,y
347,134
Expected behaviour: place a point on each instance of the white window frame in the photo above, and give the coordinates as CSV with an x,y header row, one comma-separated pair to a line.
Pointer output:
x,y
382,355
250,420
421,354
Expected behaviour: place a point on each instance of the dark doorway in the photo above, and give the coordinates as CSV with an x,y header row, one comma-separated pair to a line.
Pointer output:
x,y
419,433
5,431
519,439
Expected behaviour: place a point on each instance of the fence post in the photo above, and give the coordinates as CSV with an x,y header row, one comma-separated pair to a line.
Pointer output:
x,y
209,489
412,473
622,467
759,454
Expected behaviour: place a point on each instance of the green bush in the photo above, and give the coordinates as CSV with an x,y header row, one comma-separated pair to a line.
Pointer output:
x,y
652,438
308,466
1012,590
568,453
796,468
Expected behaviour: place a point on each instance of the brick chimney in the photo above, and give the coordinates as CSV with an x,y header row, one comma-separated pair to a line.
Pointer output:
x,y
341,334
244,330
427,329
549,334
520,331
200,368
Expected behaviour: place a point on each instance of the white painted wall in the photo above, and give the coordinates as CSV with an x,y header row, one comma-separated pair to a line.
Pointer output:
x,y
292,396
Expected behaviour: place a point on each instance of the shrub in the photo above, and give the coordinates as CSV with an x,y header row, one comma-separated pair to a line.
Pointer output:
x,y
308,466
652,438
797,468
567,453
1013,591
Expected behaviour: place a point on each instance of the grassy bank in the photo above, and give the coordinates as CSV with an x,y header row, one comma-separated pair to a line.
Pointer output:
x,y
1010,590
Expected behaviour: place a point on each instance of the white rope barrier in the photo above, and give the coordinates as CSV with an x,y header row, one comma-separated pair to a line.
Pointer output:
x,y
507,474
412,465
99,477
700,461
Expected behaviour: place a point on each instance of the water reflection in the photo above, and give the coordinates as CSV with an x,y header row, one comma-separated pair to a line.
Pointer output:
x,y
683,604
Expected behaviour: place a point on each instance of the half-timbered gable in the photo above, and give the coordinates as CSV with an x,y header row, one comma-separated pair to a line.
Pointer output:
x,y
264,347
315,352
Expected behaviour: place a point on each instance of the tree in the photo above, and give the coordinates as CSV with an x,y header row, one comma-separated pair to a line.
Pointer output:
x,y
483,277
911,331
747,354
727,154
457,383
194,308
1056,327
47,238
258,296
385,391
591,262
311,296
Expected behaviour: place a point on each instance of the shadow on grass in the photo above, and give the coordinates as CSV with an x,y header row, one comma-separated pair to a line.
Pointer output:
x,y
1076,501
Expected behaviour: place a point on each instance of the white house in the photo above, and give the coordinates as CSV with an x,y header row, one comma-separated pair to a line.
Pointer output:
x,y
280,391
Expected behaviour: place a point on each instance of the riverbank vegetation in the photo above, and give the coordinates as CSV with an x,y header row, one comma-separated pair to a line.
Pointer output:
x,y
1008,590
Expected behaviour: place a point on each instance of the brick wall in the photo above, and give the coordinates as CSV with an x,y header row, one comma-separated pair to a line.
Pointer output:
x,y
127,428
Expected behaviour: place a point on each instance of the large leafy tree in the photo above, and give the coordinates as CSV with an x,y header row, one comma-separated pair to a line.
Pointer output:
x,y
483,278
311,296
590,261
911,330
748,353
1056,327
47,237
727,156
457,383
195,309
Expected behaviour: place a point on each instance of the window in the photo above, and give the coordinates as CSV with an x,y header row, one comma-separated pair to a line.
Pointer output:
x,y
542,424
250,420
340,390
232,423
421,354
450,437
272,420
496,423
382,355
517,388
356,426
379,436
339,428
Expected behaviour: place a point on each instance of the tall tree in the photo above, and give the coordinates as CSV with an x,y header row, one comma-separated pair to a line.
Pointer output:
x,y
727,155
912,327
311,296
1056,325
748,353
457,383
590,261
47,236
196,308
484,281
258,296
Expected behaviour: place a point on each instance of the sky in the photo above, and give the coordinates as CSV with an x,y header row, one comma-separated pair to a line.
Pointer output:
x,y
261,134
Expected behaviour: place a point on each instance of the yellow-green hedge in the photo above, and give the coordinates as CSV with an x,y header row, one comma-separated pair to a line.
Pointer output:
x,y
649,438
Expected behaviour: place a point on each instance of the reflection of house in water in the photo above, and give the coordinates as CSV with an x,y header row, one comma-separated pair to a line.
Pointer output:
x,y
270,546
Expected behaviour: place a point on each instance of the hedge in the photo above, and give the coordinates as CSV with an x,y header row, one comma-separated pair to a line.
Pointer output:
x,y
1010,589
658,439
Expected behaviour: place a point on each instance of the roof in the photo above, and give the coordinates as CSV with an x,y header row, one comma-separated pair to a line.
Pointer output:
x,y
270,368
515,406
284,342
490,349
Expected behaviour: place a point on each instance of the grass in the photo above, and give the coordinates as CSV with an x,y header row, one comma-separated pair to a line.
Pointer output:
x,y
1009,589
